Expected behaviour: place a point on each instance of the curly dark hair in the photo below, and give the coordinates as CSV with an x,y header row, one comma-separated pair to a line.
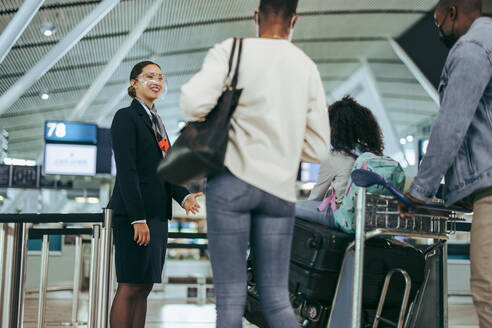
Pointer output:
x,y
354,126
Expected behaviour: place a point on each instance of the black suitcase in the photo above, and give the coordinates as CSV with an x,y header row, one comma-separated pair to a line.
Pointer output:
x,y
311,314
317,256
253,311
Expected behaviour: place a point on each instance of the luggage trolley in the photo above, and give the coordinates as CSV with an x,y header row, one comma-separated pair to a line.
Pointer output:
x,y
377,215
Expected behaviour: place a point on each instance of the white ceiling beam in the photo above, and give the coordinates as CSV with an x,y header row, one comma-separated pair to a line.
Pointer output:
x,y
363,87
113,64
384,118
55,54
17,26
415,70
110,106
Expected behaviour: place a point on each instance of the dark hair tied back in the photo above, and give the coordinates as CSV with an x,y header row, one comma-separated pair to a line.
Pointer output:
x,y
136,71
132,92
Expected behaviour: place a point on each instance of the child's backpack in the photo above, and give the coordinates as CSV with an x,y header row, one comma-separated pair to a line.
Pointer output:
x,y
386,167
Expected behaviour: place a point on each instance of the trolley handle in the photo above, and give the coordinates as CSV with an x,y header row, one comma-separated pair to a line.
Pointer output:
x,y
366,178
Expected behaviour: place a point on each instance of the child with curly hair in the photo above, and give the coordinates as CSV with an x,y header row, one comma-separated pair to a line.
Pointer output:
x,y
354,130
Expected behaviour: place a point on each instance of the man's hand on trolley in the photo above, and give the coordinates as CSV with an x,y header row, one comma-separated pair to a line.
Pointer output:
x,y
404,209
142,233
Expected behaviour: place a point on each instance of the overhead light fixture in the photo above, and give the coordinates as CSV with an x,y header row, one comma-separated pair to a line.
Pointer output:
x,y
181,124
308,186
88,200
403,141
410,138
18,161
410,156
92,200
48,29
1,198
44,94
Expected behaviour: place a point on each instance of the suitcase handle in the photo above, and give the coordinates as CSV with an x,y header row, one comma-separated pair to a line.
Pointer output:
x,y
314,242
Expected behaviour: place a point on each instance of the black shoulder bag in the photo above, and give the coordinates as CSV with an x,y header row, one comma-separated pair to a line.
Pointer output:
x,y
201,146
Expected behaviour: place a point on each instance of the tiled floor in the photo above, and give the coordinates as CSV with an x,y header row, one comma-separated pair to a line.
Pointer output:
x,y
161,315
462,313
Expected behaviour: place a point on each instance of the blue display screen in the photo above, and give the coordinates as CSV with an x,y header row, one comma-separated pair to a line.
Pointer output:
x,y
309,172
423,143
36,244
71,132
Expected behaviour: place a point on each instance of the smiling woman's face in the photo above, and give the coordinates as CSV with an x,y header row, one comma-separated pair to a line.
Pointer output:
x,y
150,83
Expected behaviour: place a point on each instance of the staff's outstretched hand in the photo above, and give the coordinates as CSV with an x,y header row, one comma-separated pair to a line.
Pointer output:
x,y
191,204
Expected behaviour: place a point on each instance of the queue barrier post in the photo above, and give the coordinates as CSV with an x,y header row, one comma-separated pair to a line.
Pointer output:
x,y
77,273
93,280
105,269
14,230
15,279
4,232
43,281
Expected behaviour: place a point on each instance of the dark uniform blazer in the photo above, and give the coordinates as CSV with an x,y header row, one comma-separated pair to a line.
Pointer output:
x,y
139,194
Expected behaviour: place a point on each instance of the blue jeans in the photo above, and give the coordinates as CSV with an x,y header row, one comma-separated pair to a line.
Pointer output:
x,y
308,210
239,214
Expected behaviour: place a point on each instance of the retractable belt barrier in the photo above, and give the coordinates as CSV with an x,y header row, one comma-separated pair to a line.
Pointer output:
x,y
187,235
15,229
14,232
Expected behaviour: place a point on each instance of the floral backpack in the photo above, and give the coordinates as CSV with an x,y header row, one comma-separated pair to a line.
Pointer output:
x,y
385,166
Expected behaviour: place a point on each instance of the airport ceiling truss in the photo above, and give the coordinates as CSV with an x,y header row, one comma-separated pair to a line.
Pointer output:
x,y
339,35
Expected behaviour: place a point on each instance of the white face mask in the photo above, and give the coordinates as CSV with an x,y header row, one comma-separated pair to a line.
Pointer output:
x,y
146,82
291,32
164,88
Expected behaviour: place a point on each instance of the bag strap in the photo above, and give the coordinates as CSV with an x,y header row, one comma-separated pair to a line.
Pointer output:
x,y
330,201
236,74
231,57
231,82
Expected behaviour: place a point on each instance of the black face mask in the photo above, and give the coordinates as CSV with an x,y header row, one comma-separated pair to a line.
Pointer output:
x,y
448,40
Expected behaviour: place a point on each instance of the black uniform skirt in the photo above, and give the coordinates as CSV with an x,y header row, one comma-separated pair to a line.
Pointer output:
x,y
140,264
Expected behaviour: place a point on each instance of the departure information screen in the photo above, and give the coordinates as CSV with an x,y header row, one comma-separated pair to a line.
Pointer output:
x,y
70,159
25,176
4,175
70,132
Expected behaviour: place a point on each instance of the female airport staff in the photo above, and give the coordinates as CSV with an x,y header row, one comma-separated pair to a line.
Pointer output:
x,y
141,201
